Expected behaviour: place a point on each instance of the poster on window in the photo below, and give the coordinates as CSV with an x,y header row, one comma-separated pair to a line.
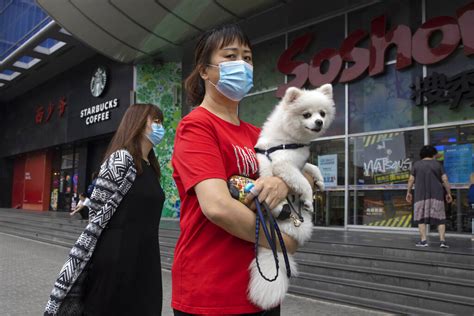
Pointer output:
x,y
458,163
383,158
328,166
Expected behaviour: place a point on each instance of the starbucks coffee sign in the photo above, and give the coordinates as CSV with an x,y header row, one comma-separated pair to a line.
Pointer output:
x,y
98,81
98,112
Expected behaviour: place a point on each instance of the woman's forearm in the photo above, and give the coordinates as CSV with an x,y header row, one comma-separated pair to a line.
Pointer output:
x,y
411,181
447,187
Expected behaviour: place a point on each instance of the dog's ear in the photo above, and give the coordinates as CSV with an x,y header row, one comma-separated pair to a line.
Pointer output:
x,y
326,89
291,95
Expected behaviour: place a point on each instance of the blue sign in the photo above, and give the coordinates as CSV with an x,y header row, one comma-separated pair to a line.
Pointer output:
x,y
458,163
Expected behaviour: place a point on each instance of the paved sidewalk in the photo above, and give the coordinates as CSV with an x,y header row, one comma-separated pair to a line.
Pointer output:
x,y
28,269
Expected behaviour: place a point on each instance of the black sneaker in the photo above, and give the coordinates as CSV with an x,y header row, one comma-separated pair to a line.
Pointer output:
x,y
422,243
443,244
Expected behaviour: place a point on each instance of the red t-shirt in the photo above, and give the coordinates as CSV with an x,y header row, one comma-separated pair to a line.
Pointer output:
x,y
210,269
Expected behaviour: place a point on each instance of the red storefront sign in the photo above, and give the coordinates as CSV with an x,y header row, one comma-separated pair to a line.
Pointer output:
x,y
44,114
409,47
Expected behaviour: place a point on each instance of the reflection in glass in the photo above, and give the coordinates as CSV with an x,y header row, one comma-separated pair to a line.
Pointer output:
x,y
329,208
265,58
380,208
383,102
256,108
452,66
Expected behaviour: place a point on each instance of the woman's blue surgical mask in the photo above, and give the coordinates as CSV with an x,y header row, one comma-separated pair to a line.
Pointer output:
x,y
235,79
156,134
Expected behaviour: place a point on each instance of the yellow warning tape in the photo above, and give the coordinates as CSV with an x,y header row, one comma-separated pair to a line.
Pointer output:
x,y
403,221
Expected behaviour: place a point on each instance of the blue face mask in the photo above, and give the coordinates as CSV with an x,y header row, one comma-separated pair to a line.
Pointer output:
x,y
156,134
235,79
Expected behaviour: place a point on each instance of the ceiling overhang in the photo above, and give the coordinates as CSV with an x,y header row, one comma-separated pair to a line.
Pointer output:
x,y
131,31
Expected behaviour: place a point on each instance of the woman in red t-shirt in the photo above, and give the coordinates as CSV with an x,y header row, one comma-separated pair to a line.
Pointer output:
x,y
210,272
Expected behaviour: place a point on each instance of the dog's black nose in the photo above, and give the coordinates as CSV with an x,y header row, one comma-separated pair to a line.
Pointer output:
x,y
318,123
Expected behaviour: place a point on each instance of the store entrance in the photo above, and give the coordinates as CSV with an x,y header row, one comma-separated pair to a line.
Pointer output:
x,y
64,180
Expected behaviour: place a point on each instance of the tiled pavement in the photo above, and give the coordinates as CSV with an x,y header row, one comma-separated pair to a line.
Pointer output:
x,y
28,269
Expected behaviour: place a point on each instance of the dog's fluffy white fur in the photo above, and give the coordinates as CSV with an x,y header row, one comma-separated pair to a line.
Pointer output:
x,y
300,117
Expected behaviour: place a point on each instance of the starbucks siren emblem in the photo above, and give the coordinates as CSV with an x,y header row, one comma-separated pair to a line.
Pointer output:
x,y
98,81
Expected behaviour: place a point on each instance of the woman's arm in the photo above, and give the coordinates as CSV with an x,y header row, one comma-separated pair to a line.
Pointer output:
x,y
409,197
445,182
231,215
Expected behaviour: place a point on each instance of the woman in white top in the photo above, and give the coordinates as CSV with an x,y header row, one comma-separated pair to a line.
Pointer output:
x,y
82,206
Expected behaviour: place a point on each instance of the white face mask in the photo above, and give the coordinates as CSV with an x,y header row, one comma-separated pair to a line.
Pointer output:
x,y
235,79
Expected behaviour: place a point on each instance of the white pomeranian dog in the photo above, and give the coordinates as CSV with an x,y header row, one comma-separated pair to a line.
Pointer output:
x,y
283,150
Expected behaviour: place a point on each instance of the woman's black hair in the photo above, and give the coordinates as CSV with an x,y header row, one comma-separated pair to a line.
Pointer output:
x,y
428,151
210,41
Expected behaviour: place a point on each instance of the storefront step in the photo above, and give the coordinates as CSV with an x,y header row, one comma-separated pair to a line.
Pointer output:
x,y
46,238
52,229
427,267
420,281
458,254
363,302
41,218
78,226
408,297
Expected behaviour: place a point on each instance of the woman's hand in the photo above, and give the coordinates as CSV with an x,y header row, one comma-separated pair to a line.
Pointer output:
x,y
449,198
409,197
271,190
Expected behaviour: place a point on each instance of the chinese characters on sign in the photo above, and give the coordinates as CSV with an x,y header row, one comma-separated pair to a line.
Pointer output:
x,y
439,88
44,114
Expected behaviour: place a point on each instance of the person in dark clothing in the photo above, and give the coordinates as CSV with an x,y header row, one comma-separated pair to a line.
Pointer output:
x,y
125,272
91,186
114,267
431,183
470,195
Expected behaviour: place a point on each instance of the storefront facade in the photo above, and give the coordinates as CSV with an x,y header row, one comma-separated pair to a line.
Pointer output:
x,y
55,135
402,73
403,76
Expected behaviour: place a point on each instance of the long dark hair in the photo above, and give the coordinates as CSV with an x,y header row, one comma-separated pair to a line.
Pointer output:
x,y
210,41
130,132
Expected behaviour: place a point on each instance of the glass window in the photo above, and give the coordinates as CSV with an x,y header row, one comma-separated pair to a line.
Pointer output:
x,y
383,208
463,217
384,102
451,66
329,156
265,60
456,151
67,160
255,109
329,208
383,159
329,205
455,146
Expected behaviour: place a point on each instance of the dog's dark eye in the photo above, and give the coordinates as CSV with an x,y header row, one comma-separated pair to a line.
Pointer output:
x,y
307,115
323,114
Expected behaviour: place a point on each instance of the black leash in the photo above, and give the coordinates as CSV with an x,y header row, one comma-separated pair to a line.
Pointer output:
x,y
270,236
